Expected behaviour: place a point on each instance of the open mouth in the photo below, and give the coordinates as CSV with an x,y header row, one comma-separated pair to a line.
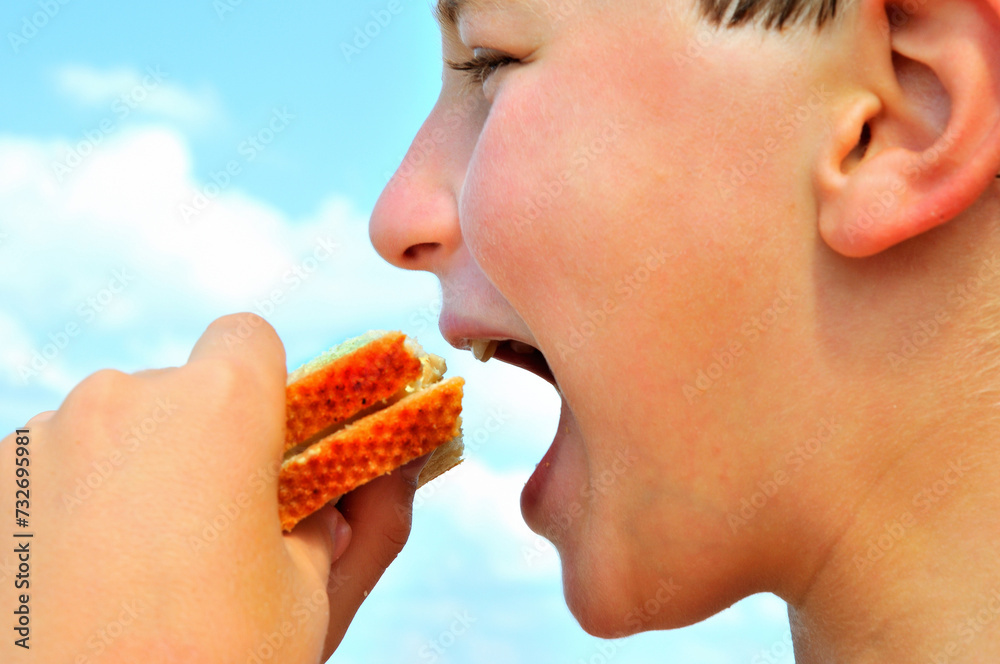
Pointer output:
x,y
517,353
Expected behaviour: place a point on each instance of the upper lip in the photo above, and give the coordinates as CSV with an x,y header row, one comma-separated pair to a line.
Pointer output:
x,y
460,333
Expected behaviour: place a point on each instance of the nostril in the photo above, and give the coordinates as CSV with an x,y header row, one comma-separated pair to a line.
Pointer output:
x,y
416,251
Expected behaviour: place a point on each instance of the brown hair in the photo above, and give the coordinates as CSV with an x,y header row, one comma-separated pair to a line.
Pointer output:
x,y
769,13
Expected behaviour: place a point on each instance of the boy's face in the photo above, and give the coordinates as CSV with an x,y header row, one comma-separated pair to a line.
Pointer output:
x,y
622,199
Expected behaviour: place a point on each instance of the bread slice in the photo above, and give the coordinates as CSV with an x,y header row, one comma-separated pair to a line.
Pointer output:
x,y
361,410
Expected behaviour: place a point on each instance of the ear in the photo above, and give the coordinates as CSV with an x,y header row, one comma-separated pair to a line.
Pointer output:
x,y
917,141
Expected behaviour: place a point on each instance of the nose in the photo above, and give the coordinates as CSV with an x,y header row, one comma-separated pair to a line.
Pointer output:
x,y
415,222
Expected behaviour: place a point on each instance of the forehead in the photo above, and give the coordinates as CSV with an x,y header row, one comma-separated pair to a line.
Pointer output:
x,y
449,11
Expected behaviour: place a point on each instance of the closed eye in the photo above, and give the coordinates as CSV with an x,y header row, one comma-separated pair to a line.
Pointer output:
x,y
482,65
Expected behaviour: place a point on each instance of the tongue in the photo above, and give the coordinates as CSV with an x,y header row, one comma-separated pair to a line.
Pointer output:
x,y
522,348
532,361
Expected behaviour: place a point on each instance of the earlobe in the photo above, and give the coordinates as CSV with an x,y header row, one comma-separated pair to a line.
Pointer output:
x,y
930,100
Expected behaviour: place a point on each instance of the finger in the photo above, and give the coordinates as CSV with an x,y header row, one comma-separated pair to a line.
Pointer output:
x,y
246,338
241,361
318,541
379,514
154,373
41,417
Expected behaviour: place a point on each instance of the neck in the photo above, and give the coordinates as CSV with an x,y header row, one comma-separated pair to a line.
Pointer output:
x,y
905,516
915,577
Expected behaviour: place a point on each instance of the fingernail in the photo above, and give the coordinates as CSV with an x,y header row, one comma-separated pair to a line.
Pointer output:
x,y
341,536
411,470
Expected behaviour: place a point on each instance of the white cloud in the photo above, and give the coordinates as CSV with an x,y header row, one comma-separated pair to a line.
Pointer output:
x,y
126,90
107,254
107,251
483,505
119,209
92,87
16,340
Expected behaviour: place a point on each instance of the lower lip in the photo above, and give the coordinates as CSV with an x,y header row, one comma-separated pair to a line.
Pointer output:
x,y
535,488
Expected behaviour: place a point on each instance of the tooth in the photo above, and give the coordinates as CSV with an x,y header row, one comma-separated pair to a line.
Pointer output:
x,y
521,348
483,349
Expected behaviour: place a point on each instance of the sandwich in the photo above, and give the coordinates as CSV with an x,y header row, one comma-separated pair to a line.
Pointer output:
x,y
360,410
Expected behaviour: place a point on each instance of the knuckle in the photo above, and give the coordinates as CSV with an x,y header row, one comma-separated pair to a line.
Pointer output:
x,y
221,380
102,390
385,556
39,418
97,407
393,541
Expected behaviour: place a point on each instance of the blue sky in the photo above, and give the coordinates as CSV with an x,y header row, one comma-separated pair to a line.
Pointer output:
x,y
162,164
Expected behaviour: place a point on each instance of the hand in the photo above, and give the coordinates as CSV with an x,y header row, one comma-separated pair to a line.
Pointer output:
x,y
155,519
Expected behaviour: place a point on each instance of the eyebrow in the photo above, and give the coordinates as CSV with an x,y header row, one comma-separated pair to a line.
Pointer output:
x,y
448,11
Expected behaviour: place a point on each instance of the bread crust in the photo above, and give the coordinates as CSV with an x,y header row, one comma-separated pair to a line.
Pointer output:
x,y
372,446
369,438
349,384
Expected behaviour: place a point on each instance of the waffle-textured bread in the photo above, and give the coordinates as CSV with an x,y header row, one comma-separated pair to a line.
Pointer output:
x,y
361,410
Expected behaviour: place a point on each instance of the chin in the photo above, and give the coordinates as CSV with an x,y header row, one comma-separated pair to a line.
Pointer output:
x,y
612,596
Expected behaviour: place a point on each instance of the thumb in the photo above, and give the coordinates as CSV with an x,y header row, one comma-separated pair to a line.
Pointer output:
x,y
379,514
319,540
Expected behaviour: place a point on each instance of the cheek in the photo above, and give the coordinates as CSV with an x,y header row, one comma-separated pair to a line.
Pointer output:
x,y
528,205
518,184
611,213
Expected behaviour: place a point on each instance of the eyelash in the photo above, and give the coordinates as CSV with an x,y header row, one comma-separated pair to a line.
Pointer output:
x,y
482,66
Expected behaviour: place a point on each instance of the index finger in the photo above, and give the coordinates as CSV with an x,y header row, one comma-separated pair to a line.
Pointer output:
x,y
249,345
247,339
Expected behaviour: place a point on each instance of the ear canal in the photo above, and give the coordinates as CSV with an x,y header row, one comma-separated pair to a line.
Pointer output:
x,y
856,155
866,138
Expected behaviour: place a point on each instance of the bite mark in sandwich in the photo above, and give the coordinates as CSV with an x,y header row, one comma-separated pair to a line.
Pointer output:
x,y
361,410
